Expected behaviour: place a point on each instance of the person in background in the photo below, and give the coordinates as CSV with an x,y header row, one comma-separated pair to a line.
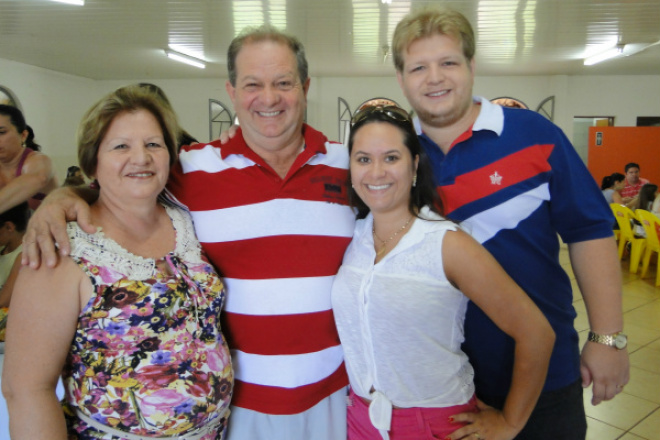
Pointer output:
x,y
655,208
647,195
510,176
643,200
131,320
400,296
611,187
74,176
270,208
29,140
12,228
633,183
25,174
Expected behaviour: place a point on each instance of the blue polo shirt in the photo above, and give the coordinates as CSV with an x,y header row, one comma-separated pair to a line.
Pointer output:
x,y
515,181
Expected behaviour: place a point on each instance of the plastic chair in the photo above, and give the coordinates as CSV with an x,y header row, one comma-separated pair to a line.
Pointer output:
x,y
651,224
624,216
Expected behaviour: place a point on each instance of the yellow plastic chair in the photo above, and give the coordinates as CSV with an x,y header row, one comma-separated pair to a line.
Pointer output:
x,y
624,216
651,224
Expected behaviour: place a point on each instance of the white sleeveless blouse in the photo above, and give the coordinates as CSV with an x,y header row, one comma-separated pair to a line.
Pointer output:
x,y
400,321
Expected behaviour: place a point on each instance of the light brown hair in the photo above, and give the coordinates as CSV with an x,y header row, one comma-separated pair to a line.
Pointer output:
x,y
97,120
431,21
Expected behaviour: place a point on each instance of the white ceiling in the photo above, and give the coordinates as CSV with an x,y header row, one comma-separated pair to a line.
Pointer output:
x,y
125,39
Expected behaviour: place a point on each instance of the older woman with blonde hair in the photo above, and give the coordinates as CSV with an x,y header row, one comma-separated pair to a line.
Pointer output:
x,y
130,319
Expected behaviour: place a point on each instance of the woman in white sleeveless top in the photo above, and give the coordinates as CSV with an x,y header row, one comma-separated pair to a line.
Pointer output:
x,y
400,297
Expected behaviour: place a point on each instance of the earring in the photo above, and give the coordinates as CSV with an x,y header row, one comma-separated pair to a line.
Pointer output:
x,y
415,180
23,144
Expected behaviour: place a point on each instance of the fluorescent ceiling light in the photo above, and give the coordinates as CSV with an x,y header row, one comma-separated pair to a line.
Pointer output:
x,y
608,54
186,59
72,2
633,48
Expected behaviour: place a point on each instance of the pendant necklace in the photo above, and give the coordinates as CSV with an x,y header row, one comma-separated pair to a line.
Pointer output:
x,y
385,242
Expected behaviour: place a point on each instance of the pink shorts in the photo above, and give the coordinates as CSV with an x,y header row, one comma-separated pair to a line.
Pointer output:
x,y
407,423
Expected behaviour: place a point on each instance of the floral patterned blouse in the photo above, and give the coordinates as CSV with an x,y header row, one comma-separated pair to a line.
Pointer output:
x,y
148,356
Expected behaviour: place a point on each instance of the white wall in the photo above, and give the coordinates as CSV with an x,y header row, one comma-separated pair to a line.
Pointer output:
x,y
624,97
54,103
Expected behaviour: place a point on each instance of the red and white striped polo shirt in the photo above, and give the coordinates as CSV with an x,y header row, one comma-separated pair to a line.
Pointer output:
x,y
278,243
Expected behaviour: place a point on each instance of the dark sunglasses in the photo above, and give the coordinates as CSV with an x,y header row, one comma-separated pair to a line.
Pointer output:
x,y
392,112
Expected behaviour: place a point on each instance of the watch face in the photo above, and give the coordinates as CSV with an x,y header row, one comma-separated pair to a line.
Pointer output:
x,y
620,342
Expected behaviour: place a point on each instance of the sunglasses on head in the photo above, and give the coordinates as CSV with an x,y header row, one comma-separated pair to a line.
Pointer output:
x,y
390,111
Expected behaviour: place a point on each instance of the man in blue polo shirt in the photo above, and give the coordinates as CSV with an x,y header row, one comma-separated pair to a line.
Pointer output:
x,y
513,178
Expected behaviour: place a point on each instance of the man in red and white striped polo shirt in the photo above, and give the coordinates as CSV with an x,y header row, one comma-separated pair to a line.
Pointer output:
x,y
634,183
271,211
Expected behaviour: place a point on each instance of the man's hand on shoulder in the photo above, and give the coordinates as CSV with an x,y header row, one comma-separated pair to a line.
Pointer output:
x,y
228,134
46,230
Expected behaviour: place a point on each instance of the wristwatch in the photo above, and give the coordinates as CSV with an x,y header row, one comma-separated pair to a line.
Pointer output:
x,y
616,340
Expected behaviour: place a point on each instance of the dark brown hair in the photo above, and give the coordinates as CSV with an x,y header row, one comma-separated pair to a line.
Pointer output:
x,y
424,192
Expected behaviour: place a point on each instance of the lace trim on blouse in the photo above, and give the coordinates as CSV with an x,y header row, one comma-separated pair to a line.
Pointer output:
x,y
105,252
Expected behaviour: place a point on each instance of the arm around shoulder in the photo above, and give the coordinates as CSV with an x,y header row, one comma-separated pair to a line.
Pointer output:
x,y
47,225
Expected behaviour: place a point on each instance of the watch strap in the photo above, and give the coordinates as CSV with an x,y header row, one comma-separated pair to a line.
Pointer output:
x,y
609,340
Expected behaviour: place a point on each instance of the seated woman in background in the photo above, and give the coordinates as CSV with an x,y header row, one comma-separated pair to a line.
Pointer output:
x,y
29,140
647,196
131,318
612,186
644,200
12,228
25,174
401,294
655,208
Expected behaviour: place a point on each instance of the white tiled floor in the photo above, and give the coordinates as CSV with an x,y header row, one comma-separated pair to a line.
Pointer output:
x,y
635,413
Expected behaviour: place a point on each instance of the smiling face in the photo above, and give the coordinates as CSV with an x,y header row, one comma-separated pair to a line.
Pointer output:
x,y
437,80
268,97
132,160
382,168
